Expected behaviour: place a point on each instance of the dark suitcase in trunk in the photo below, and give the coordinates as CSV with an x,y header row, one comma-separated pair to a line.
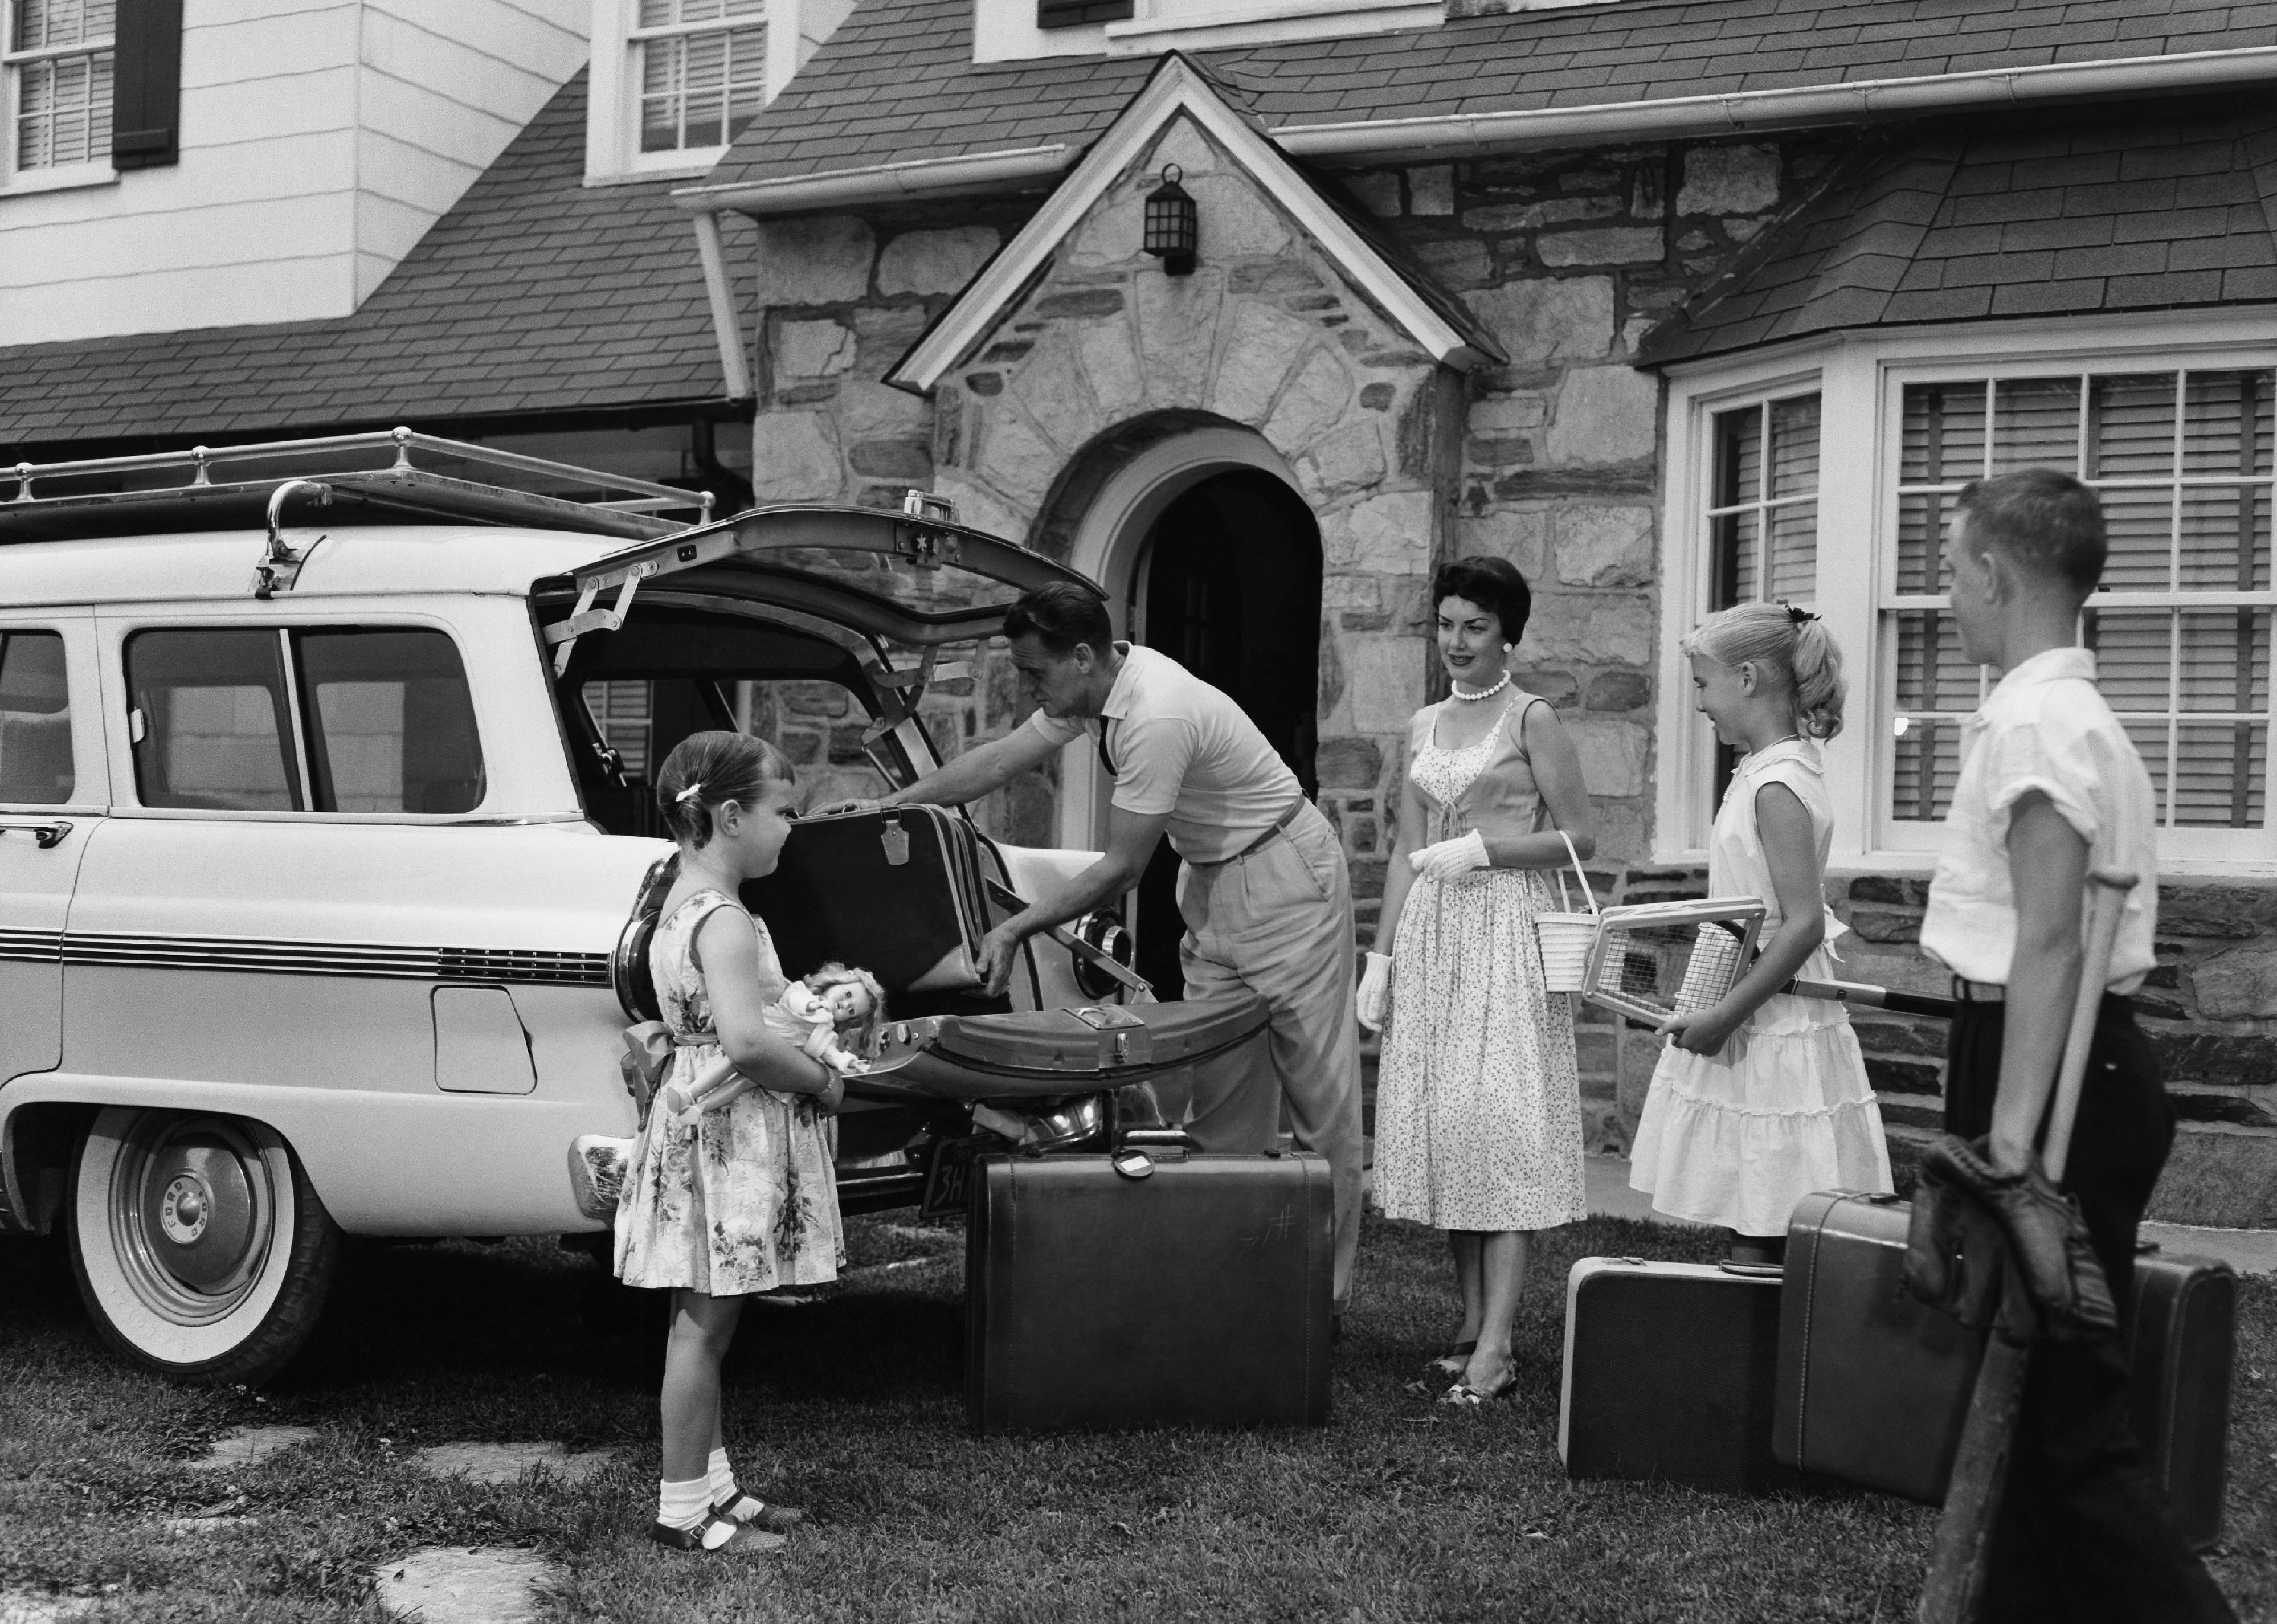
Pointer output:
x,y
1197,1295
1874,1387
899,892
1669,1374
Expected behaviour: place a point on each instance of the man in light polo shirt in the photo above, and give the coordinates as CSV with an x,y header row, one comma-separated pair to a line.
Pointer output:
x,y
1264,891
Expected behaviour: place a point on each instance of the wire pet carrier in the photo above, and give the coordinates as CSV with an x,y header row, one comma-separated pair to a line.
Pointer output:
x,y
1659,959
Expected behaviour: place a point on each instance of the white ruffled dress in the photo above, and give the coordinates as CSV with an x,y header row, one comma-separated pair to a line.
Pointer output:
x,y
1738,1138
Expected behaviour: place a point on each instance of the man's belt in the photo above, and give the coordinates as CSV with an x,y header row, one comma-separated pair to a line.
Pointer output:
x,y
1279,824
1978,992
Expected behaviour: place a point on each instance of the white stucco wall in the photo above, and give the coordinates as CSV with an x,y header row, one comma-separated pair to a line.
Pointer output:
x,y
320,139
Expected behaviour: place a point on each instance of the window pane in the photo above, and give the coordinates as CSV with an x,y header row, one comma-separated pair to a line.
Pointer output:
x,y
2222,771
1794,551
1737,560
2134,657
2132,427
2227,419
1925,765
2225,539
695,87
2150,741
2225,660
620,711
2140,525
394,726
43,24
36,740
215,721
1943,434
1933,674
1922,519
1794,447
1739,456
2035,425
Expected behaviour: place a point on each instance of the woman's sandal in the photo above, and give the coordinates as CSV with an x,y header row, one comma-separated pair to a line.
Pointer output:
x,y
1457,1359
716,1536
753,1512
1462,1396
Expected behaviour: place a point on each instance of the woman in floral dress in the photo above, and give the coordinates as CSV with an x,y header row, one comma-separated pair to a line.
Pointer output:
x,y
1478,1106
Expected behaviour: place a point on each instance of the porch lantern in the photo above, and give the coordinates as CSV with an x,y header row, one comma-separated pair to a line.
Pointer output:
x,y
1173,224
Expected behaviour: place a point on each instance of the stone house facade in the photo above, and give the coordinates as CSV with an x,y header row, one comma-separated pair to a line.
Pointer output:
x,y
1442,355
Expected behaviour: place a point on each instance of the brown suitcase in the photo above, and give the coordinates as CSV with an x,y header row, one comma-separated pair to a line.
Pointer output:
x,y
1874,1387
1197,1294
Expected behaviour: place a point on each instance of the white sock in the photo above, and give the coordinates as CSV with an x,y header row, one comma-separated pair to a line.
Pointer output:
x,y
725,1491
683,1504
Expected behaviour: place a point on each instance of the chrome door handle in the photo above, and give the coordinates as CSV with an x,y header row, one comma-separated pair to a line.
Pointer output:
x,y
48,836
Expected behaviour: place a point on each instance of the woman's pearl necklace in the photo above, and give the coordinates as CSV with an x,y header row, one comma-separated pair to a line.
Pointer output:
x,y
1484,693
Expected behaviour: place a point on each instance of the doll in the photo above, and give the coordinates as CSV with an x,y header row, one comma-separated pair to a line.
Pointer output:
x,y
836,1002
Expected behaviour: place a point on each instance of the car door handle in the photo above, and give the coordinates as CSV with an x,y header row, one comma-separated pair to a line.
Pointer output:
x,y
48,835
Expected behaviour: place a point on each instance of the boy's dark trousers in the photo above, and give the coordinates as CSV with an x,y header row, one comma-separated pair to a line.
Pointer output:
x,y
2083,1531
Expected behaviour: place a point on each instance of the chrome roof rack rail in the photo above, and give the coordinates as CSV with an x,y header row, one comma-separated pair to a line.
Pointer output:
x,y
206,485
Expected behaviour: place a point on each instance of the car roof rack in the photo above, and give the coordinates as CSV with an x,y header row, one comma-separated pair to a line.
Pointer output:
x,y
367,479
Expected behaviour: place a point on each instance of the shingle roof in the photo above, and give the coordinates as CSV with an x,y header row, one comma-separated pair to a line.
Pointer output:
x,y
535,292
2151,208
897,81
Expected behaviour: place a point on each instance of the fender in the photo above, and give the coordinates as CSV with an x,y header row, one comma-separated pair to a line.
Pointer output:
x,y
384,1163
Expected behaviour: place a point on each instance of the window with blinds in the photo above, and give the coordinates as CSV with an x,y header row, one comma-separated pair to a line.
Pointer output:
x,y
2180,626
701,66
59,61
1763,520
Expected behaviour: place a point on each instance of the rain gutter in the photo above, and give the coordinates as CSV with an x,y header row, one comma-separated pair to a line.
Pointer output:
x,y
877,183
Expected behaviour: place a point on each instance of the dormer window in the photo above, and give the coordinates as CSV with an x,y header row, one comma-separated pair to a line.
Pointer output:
x,y
59,56
703,71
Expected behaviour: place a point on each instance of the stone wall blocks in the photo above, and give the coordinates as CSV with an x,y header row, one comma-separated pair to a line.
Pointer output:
x,y
1508,414
1611,245
1348,763
1569,317
2217,910
795,457
1178,329
1084,302
1182,144
1619,690
1612,754
1110,365
1238,219
1605,415
1260,351
983,507
896,460
1461,264
1592,629
822,259
1605,546
1113,235
1389,534
872,411
1431,189
1279,276
1378,397
1729,180
1312,402
1385,678
812,349
935,262
1560,688
1019,460
885,333
2238,983
1350,459
1053,393
1378,194
1520,534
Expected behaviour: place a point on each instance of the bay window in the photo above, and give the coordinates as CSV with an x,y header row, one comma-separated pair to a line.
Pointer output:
x,y
1831,484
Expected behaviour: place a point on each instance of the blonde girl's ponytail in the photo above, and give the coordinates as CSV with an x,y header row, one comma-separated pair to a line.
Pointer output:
x,y
1791,647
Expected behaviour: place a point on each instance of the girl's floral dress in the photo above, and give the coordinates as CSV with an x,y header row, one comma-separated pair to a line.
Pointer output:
x,y
743,1198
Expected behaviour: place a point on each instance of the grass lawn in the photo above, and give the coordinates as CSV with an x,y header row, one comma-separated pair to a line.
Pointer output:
x,y
853,1407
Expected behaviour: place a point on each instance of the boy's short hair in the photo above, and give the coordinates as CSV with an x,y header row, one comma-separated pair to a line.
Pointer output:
x,y
2046,521
1060,616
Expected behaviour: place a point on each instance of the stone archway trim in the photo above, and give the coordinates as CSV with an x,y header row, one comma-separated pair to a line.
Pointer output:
x,y
1175,88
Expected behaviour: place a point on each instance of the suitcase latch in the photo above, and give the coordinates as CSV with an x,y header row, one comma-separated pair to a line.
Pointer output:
x,y
1129,1041
896,840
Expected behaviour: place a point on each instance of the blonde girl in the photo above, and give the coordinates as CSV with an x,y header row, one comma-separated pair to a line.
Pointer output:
x,y
1763,1098
723,1203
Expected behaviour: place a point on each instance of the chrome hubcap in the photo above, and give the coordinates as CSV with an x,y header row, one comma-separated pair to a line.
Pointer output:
x,y
194,1214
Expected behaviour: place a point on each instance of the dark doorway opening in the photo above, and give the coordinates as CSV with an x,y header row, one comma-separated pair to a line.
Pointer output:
x,y
1228,585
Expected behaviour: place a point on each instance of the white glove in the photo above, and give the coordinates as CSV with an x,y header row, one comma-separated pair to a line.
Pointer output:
x,y
1375,991
1450,858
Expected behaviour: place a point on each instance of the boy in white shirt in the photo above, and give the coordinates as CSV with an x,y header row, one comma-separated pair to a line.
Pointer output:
x,y
2049,787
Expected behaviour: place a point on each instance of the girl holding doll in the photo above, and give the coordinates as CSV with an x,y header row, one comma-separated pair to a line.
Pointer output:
x,y
722,1203
1763,1098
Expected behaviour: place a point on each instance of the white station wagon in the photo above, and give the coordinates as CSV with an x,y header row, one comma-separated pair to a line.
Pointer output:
x,y
322,813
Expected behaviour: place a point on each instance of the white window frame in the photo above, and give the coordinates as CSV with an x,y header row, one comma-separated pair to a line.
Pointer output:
x,y
612,148
51,177
1861,379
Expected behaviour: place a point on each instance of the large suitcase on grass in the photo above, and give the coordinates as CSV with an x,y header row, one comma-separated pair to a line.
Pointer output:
x,y
1669,1374
1874,1386
1195,1295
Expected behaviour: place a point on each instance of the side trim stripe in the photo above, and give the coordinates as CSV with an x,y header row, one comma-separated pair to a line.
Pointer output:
x,y
38,947
367,960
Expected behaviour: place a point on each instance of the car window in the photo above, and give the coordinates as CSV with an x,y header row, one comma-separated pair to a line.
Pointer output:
x,y
36,740
211,720
390,723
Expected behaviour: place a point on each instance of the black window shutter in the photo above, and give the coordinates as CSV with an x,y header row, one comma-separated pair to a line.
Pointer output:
x,y
1075,13
145,85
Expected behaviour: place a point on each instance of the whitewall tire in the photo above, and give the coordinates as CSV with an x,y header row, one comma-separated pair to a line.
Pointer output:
x,y
202,1249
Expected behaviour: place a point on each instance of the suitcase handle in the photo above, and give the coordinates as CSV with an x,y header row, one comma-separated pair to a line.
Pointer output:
x,y
1158,1138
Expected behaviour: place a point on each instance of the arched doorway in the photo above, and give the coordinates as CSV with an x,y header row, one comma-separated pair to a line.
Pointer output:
x,y
1227,583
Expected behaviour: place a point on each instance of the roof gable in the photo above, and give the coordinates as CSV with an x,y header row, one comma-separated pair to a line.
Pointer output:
x,y
2158,206
1179,88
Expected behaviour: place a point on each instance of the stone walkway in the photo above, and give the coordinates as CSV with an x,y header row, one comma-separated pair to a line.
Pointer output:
x,y
246,1445
38,1607
506,1463
453,1584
